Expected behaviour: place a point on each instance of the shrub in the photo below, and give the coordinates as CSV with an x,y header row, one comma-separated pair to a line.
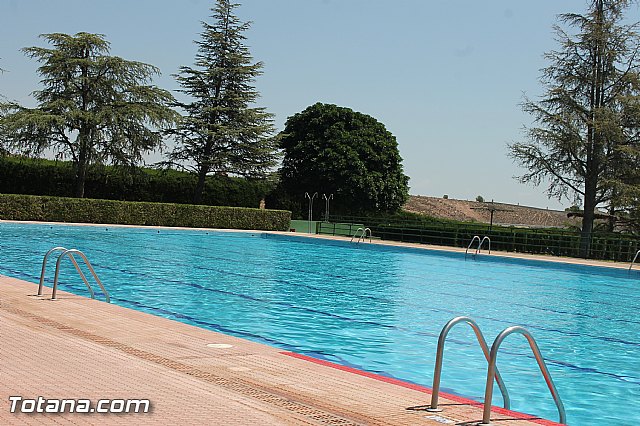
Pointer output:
x,y
55,178
83,210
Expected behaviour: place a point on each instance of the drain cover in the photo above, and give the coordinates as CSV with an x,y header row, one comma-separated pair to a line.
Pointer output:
x,y
441,419
219,345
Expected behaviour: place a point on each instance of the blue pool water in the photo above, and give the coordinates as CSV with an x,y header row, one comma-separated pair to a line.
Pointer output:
x,y
375,308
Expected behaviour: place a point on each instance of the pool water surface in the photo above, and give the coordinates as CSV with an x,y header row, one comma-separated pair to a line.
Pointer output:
x,y
373,307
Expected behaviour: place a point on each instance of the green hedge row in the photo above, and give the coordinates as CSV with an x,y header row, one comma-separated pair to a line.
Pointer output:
x,y
84,210
20,175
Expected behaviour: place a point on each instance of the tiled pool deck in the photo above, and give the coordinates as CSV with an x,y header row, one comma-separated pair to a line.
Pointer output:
x,y
81,348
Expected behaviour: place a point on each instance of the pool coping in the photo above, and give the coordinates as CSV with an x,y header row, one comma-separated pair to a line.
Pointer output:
x,y
456,398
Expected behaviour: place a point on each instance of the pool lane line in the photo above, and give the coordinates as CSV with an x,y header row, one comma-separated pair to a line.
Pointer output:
x,y
569,268
462,283
310,310
144,231
555,261
479,298
462,400
459,282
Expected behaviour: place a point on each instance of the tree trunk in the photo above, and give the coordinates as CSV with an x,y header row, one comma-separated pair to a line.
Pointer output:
x,y
81,169
594,142
202,175
84,135
588,217
81,175
612,217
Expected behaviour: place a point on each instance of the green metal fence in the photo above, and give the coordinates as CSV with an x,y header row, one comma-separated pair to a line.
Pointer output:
x,y
556,242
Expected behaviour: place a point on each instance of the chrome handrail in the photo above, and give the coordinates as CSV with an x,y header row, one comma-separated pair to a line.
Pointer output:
x,y
44,265
475,237
73,260
356,233
482,242
437,372
363,236
69,253
488,393
634,259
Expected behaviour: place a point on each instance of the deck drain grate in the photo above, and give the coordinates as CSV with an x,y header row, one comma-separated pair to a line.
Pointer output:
x,y
237,385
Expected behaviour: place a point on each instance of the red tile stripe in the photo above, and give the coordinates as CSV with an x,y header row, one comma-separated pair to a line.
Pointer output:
x,y
397,382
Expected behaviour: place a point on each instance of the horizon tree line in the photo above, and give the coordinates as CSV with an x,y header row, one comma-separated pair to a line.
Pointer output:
x,y
95,108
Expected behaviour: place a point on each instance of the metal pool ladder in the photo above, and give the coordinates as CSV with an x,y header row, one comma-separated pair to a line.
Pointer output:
x,y
492,372
437,372
69,253
488,393
363,234
480,244
634,260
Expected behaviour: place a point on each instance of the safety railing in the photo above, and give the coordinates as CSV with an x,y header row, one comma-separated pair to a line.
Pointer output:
x,y
433,407
475,237
492,370
361,233
69,253
556,242
480,244
488,240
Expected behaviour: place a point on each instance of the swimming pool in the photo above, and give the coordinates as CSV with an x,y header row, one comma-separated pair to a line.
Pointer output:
x,y
375,308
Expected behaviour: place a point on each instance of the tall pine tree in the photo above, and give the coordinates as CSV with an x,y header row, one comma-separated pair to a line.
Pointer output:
x,y
221,131
586,138
93,107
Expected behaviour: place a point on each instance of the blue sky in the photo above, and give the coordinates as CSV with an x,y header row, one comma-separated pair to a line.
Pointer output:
x,y
445,76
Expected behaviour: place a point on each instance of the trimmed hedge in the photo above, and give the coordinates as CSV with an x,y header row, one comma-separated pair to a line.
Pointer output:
x,y
19,175
84,210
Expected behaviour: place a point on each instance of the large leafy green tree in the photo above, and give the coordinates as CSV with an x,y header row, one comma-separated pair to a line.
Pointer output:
x,y
335,150
93,107
585,140
222,131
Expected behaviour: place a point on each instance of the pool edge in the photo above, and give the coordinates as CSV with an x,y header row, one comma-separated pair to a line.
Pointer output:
x,y
390,380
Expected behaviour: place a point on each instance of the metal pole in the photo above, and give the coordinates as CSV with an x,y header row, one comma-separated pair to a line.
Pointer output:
x,y
326,206
44,265
311,198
